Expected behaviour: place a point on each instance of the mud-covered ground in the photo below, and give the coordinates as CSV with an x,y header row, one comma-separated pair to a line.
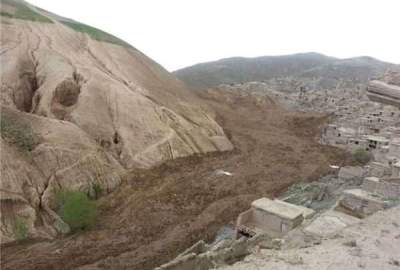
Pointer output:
x,y
156,214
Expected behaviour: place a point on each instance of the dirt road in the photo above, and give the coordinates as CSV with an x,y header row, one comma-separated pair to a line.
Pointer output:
x,y
158,213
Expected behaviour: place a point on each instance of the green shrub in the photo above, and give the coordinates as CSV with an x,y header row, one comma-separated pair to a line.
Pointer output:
x,y
76,209
16,131
361,156
20,229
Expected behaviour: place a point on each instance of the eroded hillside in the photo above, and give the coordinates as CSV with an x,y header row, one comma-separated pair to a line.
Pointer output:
x,y
79,108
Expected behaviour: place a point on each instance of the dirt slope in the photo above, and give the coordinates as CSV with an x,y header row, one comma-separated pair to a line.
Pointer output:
x,y
80,107
156,214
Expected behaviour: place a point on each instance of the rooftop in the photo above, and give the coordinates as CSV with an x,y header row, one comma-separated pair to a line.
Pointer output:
x,y
282,209
360,193
377,138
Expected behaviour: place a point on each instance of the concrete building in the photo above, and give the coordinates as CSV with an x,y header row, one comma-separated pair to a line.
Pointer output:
x,y
377,142
273,217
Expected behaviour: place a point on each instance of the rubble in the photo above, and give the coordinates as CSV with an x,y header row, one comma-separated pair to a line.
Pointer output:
x,y
329,223
384,188
353,247
361,203
203,257
351,173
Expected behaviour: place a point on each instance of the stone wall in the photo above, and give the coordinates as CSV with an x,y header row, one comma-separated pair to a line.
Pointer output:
x,y
381,187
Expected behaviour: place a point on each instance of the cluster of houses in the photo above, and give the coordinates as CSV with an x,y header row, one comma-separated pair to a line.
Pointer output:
x,y
358,123
376,131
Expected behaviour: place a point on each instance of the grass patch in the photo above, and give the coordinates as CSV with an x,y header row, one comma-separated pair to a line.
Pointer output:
x,y
77,210
23,12
6,14
361,156
95,33
20,229
16,131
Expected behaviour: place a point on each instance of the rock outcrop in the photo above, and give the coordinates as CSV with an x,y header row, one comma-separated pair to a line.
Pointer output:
x,y
79,107
386,90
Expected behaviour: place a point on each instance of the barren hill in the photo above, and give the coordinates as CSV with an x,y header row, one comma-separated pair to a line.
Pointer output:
x,y
80,106
328,71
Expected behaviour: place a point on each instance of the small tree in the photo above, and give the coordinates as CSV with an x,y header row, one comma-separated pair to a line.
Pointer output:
x,y
361,156
77,210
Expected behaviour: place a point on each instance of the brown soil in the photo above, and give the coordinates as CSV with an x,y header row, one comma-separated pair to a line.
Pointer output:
x,y
156,214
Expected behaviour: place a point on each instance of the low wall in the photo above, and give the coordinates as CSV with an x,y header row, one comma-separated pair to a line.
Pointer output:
x,y
385,189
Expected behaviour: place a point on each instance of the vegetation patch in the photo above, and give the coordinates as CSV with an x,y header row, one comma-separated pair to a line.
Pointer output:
x,y
76,209
361,156
15,131
95,33
23,12
20,229
97,191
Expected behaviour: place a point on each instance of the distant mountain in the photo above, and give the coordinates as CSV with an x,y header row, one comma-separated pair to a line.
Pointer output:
x,y
329,71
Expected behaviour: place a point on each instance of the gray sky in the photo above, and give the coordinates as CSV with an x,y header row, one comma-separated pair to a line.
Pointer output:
x,y
179,33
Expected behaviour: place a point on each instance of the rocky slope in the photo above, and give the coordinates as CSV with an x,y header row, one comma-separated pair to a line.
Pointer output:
x,y
79,107
287,72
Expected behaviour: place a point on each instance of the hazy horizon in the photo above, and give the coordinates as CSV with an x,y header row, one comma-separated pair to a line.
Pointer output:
x,y
178,34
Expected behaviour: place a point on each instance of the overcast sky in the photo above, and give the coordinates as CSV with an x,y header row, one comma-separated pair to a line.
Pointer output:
x,y
179,33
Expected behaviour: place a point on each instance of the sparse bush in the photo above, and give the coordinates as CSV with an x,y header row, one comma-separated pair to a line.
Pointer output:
x,y
20,229
76,209
17,132
361,156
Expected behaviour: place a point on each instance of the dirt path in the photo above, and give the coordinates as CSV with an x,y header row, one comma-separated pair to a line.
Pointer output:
x,y
158,213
